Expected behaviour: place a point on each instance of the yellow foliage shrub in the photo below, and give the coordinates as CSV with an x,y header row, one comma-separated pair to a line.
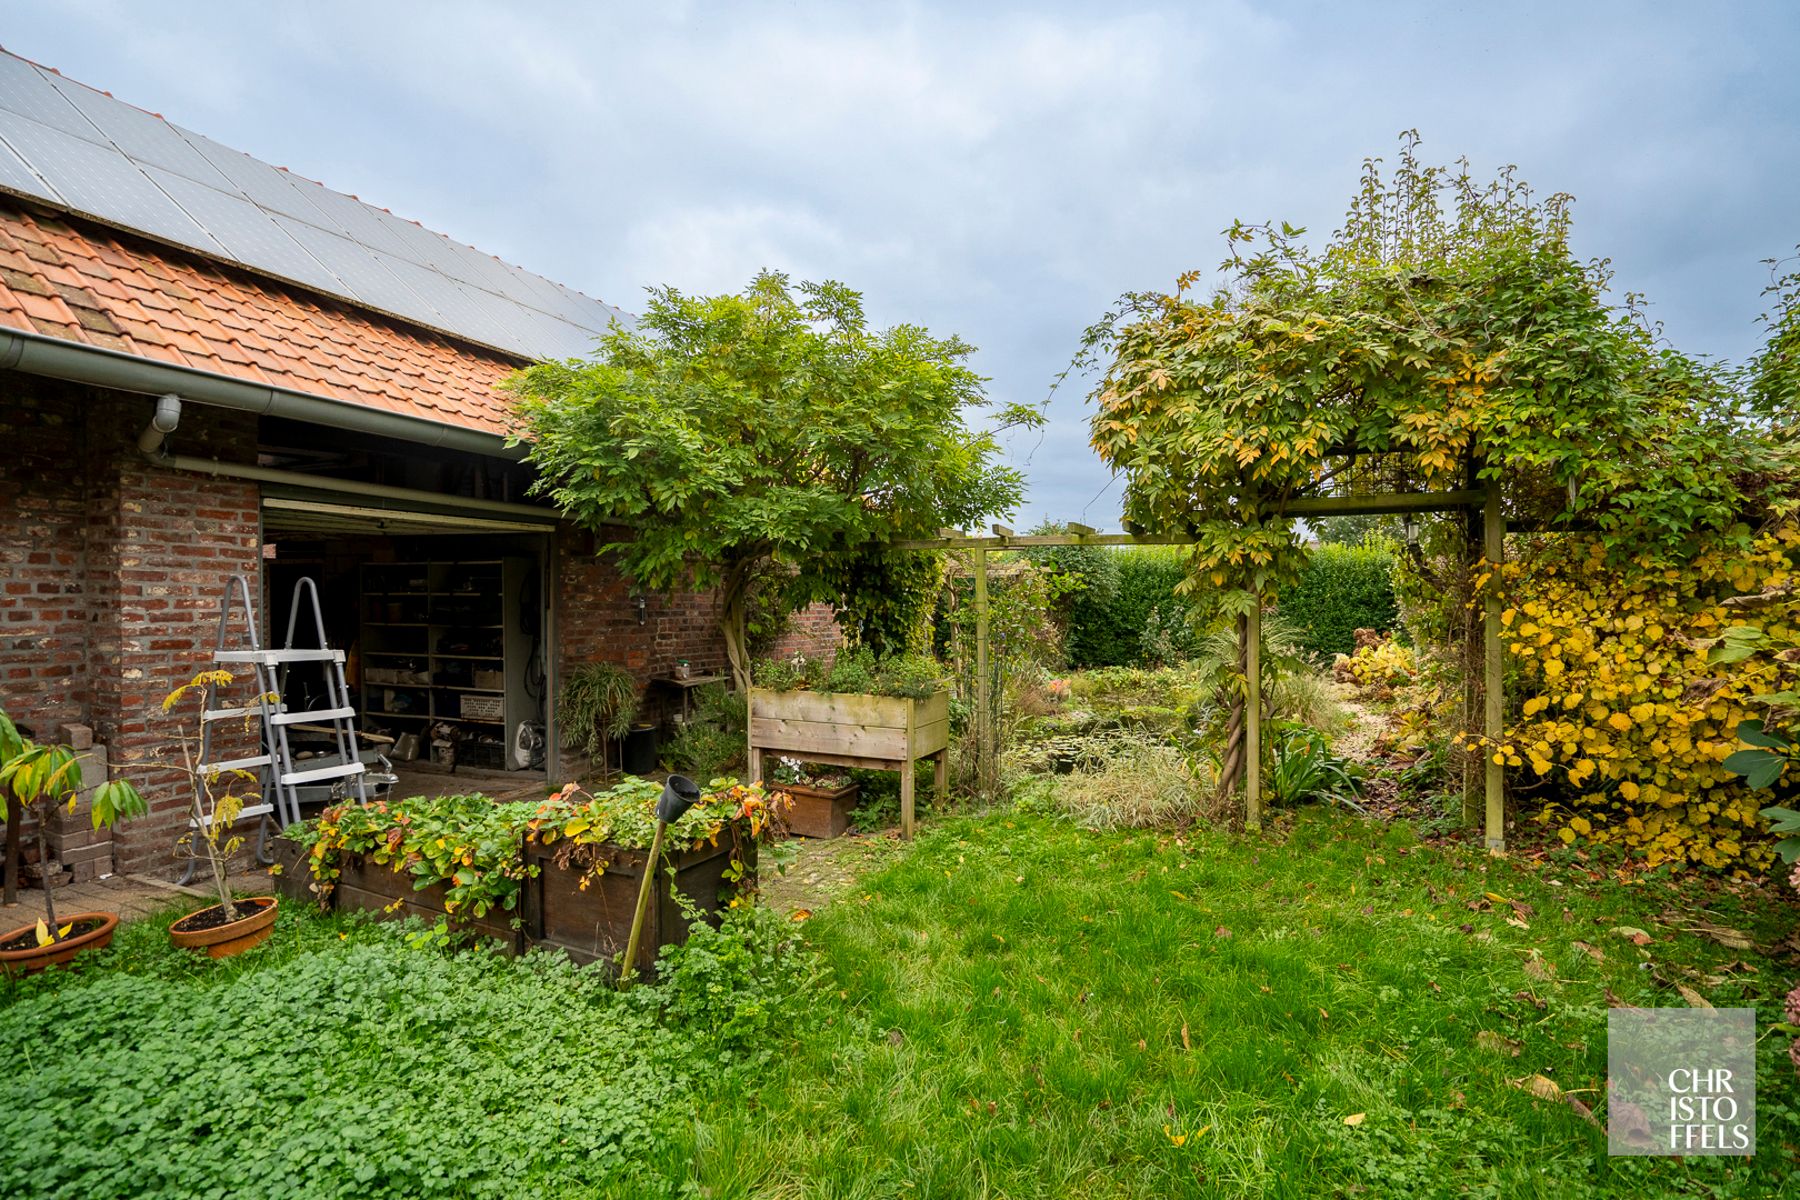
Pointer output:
x,y
1387,664
1625,716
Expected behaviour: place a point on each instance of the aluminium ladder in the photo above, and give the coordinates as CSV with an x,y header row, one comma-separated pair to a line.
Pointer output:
x,y
280,776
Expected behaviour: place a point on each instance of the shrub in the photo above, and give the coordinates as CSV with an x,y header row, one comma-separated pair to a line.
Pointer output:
x,y
1385,664
1142,783
1107,617
1627,710
1341,589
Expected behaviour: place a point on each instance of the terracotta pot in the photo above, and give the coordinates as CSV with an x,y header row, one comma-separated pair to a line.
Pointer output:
x,y
819,812
56,953
235,937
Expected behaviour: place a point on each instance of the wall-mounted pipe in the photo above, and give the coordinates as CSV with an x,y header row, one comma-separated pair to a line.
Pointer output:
x,y
56,358
162,424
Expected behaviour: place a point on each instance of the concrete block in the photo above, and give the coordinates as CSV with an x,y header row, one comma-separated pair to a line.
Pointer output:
x,y
75,737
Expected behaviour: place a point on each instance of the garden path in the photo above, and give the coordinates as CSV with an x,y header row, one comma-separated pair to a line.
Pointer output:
x,y
827,869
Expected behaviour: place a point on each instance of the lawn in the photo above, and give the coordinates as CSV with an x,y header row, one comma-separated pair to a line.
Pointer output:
x,y
1012,1007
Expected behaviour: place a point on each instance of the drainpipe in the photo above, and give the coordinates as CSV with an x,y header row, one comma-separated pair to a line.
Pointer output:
x,y
162,424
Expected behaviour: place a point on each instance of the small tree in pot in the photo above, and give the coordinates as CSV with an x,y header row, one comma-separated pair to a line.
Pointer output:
x,y
40,777
232,925
596,703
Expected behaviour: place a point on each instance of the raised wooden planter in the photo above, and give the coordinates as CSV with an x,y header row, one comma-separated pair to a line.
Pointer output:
x,y
376,888
846,729
595,924
819,812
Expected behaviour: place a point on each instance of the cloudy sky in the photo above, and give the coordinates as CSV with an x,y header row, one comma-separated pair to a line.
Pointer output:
x,y
995,171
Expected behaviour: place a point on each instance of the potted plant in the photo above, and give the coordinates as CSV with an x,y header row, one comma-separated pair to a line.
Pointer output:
x,y
596,703
233,925
822,798
39,777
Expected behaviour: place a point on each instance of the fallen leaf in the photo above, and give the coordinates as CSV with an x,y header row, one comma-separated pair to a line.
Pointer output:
x,y
1540,1086
1731,939
1592,952
1584,1112
1517,922
800,914
1221,932
1355,1119
1693,998
895,1037
1613,1001
1637,936
1538,969
1494,1043
1531,999
1185,1043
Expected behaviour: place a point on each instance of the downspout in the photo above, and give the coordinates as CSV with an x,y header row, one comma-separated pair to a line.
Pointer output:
x,y
162,424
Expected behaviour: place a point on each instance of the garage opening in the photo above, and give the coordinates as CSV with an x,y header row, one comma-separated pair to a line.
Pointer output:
x,y
444,621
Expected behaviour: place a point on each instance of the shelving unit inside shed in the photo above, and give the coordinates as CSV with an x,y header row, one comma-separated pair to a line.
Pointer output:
x,y
444,642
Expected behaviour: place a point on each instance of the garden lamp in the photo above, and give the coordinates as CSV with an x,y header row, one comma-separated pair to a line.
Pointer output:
x,y
1409,527
678,795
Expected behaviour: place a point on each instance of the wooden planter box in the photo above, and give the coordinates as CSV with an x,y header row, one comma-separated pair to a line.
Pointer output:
x,y
819,812
846,729
375,888
595,924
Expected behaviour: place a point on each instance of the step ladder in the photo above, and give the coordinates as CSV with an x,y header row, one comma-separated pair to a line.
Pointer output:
x,y
279,775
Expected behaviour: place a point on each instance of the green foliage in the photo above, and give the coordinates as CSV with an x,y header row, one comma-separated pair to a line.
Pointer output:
x,y
595,705
1447,322
1341,589
913,676
884,597
1771,753
1112,597
712,742
1302,767
398,1073
772,424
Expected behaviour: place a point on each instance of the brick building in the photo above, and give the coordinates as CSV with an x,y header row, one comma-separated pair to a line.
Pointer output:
x,y
211,367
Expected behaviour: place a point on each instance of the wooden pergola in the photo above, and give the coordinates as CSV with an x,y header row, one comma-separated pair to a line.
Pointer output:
x,y
1484,511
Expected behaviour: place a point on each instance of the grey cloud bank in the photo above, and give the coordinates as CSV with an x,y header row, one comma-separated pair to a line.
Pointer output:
x,y
1002,173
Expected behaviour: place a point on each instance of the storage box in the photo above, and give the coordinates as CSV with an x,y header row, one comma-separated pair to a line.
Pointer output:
x,y
490,679
481,708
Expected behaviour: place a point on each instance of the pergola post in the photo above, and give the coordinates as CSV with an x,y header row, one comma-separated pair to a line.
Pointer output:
x,y
984,724
1253,714
1493,539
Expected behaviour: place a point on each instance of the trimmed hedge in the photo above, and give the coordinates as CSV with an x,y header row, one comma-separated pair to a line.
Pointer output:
x,y
1343,589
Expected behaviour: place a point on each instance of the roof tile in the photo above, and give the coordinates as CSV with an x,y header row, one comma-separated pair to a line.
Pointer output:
x,y
65,278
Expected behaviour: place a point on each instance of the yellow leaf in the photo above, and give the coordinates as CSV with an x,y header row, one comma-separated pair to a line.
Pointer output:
x,y
43,933
1355,1119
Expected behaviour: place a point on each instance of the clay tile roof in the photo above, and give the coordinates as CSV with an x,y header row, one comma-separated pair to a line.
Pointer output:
x,y
64,278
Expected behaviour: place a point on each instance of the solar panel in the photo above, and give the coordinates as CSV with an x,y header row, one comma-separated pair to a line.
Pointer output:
x,y
146,139
101,181
27,91
363,277
246,231
83,150
16,175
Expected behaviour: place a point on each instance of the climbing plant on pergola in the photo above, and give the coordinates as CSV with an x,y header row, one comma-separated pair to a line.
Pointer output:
x,y
1443,351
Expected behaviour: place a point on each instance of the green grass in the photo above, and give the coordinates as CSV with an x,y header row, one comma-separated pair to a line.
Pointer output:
x,y
1032,1010
1013,1007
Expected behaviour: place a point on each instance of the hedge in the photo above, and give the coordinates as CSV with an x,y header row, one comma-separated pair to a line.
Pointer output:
x,y
1343,589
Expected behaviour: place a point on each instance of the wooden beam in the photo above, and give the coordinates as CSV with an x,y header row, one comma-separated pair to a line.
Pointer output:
x,y
1493,538
984,722
1253,716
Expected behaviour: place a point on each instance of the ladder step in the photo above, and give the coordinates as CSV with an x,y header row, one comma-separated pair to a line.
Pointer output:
x,y
336,771
248,710
274,658
235,764
317,714
254,810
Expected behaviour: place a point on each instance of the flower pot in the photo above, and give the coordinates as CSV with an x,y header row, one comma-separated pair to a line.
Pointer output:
x,y
819,812
36,958
638,756
197,931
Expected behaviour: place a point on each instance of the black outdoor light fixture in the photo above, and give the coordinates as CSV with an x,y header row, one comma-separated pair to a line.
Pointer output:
x,y
678,795
638,601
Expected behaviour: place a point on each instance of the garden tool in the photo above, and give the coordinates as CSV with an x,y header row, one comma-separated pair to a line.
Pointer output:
x,y
678,795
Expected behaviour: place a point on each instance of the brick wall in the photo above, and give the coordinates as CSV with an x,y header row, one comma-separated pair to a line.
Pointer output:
x,y
112,569
814,633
